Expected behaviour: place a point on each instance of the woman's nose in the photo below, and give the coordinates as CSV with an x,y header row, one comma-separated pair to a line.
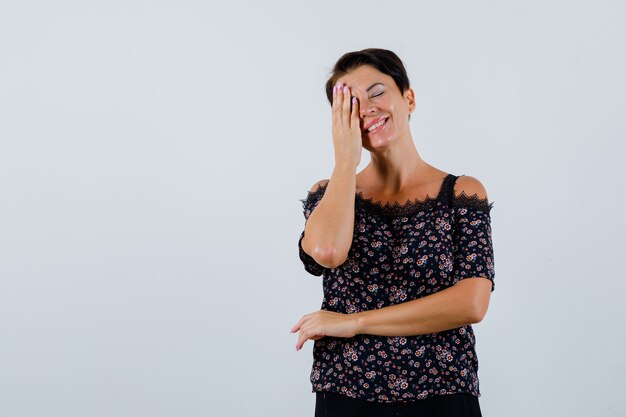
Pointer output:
x,y
366,109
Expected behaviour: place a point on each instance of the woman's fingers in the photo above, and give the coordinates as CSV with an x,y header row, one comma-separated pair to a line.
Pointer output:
x,y
338,103
345,107
349,109
334,107
341,105
304,336
355,121
301,339
296,326
300,342
304,331
300,322
346,132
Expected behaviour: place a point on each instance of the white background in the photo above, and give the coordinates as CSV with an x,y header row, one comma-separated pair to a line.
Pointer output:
x,y
152,158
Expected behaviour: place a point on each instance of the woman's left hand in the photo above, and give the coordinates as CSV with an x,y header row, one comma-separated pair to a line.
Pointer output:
x,y
322,323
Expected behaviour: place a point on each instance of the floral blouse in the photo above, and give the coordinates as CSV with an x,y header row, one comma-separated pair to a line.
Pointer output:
x,y
400,253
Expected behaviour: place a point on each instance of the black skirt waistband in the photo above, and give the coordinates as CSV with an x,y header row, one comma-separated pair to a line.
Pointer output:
x,y
330,404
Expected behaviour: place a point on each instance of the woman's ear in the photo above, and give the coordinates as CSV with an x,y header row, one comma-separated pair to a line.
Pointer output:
x,y
409,96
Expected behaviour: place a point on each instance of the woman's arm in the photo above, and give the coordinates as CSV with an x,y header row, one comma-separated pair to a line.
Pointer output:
x,y
464,303
328,230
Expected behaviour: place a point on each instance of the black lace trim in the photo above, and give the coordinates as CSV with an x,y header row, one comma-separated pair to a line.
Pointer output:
x,y
409,207
320,187
311,194
472,201
396,208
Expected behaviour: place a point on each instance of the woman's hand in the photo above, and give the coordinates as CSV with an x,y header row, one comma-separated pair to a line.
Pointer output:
x,y
346,127
322,323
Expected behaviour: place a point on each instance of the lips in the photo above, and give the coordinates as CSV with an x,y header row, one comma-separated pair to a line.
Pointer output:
x,y
376,124
373,122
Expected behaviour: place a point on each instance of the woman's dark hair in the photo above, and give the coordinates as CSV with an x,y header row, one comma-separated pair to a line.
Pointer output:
x,y
383,60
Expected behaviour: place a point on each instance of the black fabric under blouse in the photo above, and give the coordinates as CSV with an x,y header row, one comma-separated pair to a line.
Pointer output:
x,y
399,253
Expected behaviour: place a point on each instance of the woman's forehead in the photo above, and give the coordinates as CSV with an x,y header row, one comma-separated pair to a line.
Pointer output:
x,y
364,77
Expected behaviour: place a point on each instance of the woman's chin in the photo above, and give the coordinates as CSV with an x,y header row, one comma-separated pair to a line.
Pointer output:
x,y
377,142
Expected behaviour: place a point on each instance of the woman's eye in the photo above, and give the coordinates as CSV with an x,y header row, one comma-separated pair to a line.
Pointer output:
x,y
379,94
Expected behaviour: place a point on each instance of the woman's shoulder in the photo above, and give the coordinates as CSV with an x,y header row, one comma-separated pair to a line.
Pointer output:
x,y
470,187
469,192
318,185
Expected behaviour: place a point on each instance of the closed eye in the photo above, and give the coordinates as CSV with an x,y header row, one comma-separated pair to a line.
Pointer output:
x,y
379,94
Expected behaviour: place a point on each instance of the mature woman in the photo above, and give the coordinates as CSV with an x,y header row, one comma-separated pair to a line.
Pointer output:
x,y
406,256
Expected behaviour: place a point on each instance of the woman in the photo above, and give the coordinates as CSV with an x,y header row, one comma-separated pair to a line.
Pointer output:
x,y
403,282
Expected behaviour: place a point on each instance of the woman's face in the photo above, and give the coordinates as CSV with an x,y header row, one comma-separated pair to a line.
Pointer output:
x,y
380,99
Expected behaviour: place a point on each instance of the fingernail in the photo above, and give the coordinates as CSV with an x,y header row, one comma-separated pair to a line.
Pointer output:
x,y
345,89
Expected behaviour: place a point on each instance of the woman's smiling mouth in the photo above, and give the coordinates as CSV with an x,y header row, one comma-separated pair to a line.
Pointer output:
x,y
377,126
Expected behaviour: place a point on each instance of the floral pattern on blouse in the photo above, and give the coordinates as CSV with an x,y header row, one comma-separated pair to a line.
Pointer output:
x,y
400,253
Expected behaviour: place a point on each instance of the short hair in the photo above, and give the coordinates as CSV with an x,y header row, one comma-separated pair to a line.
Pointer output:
x,y
383,60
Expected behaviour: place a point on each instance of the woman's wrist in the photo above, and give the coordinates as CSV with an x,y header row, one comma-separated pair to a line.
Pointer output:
x,y
345,163
356,323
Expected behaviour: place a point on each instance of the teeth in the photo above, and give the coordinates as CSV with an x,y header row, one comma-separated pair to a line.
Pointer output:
x,y
376,125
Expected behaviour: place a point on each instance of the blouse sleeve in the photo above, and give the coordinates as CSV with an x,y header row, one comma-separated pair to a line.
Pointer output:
x,y
308,204
473,248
